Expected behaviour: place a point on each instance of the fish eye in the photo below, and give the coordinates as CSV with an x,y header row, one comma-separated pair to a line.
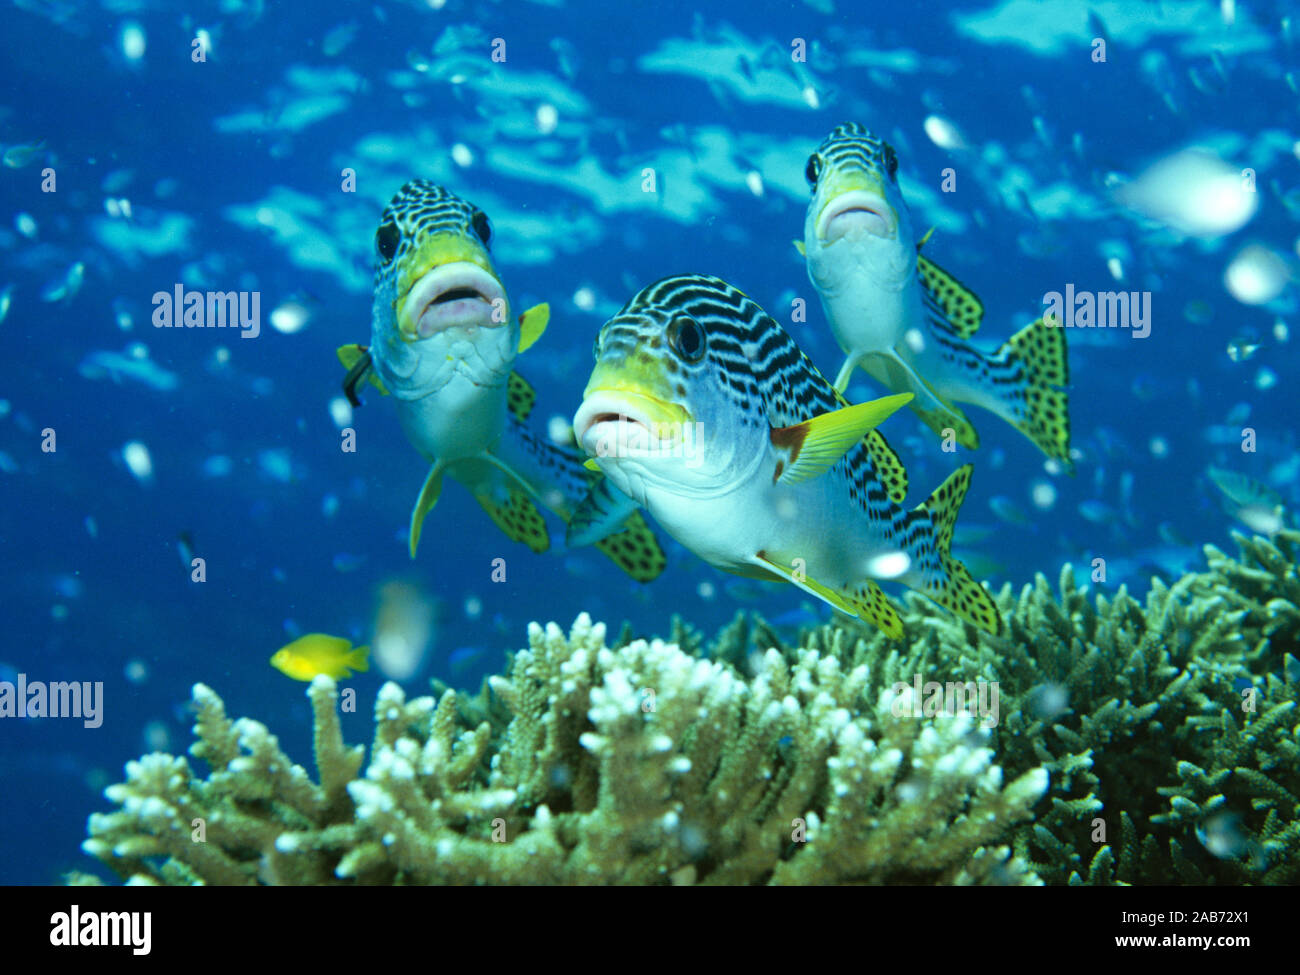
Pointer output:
x,y
891,161
482,227
686,337
813,169
386,239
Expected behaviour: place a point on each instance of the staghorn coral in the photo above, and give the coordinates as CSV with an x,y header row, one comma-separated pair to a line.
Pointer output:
x,y
1168,731
1162,768
641,764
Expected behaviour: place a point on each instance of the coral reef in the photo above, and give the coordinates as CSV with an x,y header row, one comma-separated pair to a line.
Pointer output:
x,y
1154,742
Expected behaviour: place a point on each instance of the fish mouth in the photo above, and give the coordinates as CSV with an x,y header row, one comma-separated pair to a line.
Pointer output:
x,y
856,214
621,423
449,296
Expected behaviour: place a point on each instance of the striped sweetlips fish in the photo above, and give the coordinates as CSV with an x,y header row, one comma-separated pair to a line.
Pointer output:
x,y
702,409
443,345
904,319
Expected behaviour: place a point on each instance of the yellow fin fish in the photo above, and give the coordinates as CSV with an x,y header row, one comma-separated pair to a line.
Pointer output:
x,y
320,653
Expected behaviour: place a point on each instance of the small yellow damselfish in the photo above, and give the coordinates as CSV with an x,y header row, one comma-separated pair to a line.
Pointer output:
x,y
320,653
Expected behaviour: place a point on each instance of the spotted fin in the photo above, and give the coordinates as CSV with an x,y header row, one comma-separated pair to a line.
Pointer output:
x,y
962,310
867,601
520,396
356,359
516,514
956,589
424,504
635,550
810,448
532,324
1041,352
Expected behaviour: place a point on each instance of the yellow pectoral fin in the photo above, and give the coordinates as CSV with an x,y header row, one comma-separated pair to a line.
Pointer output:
x,y
798,245
922,242
356,359
591,465
424,504
532,324
868,602
815,445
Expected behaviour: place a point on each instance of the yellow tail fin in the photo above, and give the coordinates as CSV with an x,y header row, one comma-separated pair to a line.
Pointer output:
x,y
1041,351
957,590
359,659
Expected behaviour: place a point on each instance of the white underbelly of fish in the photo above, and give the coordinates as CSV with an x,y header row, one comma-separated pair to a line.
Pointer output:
x,y
460,420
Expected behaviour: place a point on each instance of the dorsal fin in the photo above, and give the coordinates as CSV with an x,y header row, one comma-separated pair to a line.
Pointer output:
x,y
962,310
520,396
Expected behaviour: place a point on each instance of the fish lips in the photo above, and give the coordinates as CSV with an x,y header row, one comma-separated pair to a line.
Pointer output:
x,y
857,213
618,423
453,295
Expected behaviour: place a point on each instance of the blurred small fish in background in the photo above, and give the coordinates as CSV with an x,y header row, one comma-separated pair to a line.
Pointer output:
x,y
404,629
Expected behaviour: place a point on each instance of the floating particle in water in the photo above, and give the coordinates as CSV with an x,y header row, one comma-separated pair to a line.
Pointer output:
x,y
473,607
1256,275
462,155
403,629
706,590
58,612
944,133
566,55
1280,331
122,315
560,430
1158,446
290,317
67,286
156,737
276,464
136,671
118,207
131,38
68,586
1049,701
1043,495
218,465
1194,192
138,461
1266,378
585,298
6,296
329,505
25,224
91,526
888,565
1116,268
810,97
1240,349
754,181
24,154
341,412
547,118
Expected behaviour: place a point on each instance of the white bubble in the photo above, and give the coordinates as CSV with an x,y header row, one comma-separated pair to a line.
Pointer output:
x,y
290,317
1116,268
547,118
136,671
138,461
1280,331
914,339
341,412
133,41
473,607
1043,494
754,180
1159,447
1194,192
943,133
810,97
1266,378
560,430
25,224
585,298
462,155
1256,275
889,565
706,590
